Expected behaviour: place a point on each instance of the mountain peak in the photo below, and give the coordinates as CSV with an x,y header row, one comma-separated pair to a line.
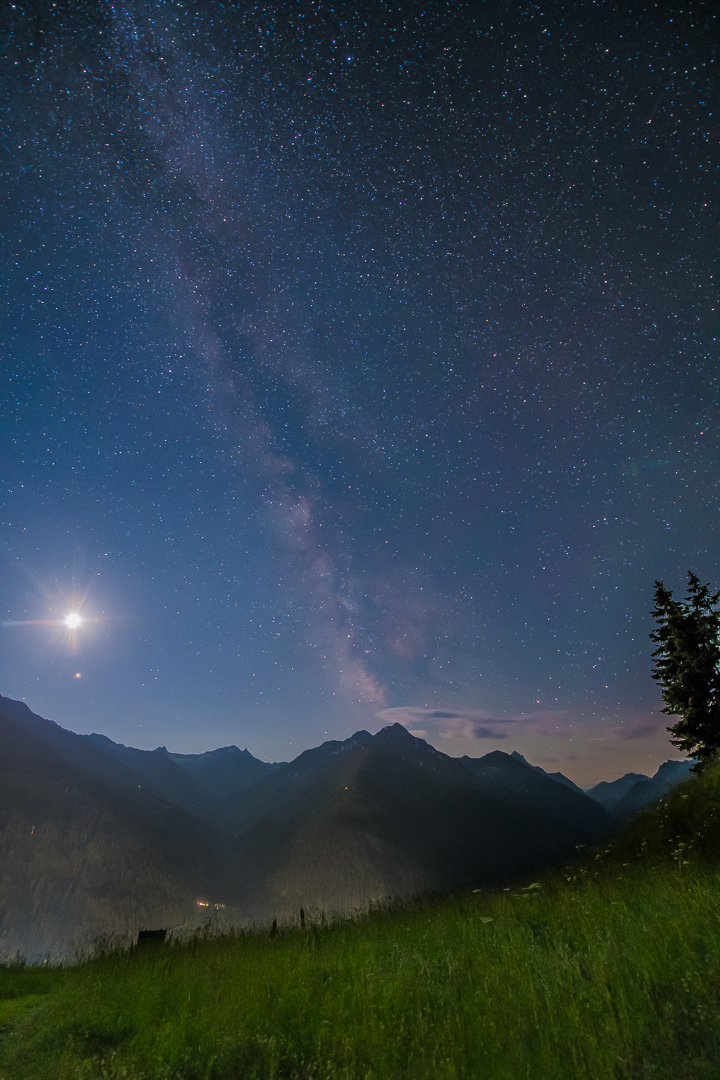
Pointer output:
x,y
497,757
360,736
395,735
397,738
673,768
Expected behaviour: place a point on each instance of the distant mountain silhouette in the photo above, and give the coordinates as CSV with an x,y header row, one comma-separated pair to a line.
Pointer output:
x,y
632,792
608,793
557,776
388,815
202,784
101,838
641,795
226,771
536,791
83,855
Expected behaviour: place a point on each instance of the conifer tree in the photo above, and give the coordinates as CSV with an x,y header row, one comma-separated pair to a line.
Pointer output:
x,y
687,666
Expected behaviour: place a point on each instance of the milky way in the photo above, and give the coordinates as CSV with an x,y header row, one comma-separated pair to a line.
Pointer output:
x,y
357,365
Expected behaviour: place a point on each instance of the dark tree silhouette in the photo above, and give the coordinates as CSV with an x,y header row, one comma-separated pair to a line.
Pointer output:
x,y
687,666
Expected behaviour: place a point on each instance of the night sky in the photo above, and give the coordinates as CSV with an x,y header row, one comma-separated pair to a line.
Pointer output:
x,y
359,363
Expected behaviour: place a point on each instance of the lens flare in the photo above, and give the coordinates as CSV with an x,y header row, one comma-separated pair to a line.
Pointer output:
x,y
73,621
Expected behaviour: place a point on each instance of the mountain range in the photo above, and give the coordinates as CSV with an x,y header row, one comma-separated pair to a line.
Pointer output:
x,y
626,796
100,840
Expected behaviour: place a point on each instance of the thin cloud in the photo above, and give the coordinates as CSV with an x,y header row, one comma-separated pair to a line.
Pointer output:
x,y
559,724
640,731
443,723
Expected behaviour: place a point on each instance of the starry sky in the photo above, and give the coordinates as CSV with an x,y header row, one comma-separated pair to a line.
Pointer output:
x,y
358,364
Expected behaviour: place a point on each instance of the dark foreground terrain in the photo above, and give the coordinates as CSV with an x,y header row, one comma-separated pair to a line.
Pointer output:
x,y
605,970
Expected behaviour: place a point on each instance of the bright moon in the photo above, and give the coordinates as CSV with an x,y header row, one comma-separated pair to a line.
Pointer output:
x,y
73,621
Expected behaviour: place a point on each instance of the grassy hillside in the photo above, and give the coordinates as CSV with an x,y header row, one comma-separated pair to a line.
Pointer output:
x,y
610,969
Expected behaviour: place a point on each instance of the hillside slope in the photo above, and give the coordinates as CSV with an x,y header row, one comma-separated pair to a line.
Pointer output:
x,y
202,784
607,969
389,816
83,856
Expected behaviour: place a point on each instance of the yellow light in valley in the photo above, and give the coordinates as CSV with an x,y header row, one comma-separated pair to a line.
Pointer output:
x,y
78,675
73,621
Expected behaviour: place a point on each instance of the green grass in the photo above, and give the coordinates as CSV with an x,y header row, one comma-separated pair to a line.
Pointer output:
x,y
610,969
